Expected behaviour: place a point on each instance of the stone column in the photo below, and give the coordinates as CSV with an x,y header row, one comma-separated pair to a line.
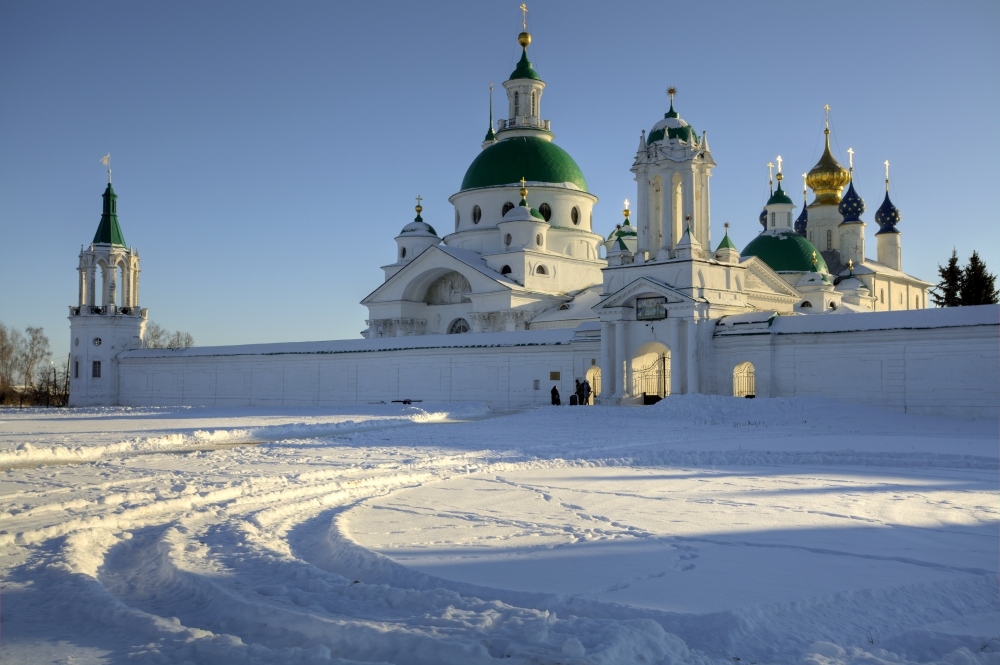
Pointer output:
x,y
692,355
83,287
91,286
607,370
621,389
642,203
674,342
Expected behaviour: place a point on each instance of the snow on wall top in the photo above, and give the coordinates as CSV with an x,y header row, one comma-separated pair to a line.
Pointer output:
x,y
471,340
948,317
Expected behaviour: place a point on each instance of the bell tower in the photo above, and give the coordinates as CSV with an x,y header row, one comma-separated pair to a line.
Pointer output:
x,y
107,318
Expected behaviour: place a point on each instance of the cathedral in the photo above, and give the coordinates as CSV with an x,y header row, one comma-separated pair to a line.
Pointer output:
x,y
524,296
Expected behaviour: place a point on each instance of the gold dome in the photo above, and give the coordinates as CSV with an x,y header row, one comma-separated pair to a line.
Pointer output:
x,y
524,39
828,178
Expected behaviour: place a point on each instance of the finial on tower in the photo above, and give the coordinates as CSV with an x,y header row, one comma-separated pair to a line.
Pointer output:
x,y
725,225
887,176
826,108
814,260
524,193
419,208
671,91
626,211
850,267
770,176
524,38
780,175
850,161
804,186
106,160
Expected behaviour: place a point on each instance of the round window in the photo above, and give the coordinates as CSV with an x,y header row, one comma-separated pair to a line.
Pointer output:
x,y
575,216
402,253
505,270
76,342
477,214
507,207
546,211
507,239
97,341
538,239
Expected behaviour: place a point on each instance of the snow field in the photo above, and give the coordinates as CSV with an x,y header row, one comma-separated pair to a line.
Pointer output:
x,y
446,534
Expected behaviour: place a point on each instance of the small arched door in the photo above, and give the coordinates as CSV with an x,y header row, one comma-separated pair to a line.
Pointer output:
x,y
744,380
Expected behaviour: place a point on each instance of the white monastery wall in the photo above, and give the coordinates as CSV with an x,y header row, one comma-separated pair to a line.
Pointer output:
x,y
500,369
929,361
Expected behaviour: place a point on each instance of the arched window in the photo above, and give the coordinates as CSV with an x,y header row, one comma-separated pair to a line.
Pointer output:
x,y
744,380
829,240
95,370
534,103
546,211
458,218
833,305
575,216
507,207
402,253
540,270
76,368
772,219
505,270
881,296
477,214
806,303
788,220
517,104
458,326
507,240
538,239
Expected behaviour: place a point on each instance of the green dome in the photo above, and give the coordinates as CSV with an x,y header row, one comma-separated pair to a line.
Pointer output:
x,y
528,157
785,251
779,196
524,70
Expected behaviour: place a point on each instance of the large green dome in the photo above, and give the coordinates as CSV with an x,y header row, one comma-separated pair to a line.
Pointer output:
x,y
785,251
528,157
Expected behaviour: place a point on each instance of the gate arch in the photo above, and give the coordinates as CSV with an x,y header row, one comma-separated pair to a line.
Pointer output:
x,y
651,371
744,380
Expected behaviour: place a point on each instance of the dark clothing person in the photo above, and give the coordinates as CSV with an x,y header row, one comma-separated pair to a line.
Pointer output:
x,y
579,392
586,392
555,396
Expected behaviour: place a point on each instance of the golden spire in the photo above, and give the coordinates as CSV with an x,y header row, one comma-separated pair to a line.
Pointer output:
x,y
828,178
780,174
524,193
850,160
626,211
770,176
524,38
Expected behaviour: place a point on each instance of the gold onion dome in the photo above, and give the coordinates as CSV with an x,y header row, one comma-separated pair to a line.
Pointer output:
x,y
828,178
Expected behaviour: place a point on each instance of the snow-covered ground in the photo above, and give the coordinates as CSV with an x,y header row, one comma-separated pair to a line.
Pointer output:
x,y
700,530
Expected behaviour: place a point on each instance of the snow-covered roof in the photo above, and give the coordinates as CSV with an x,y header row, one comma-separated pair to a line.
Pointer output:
x,y
947,317
580,307
469,340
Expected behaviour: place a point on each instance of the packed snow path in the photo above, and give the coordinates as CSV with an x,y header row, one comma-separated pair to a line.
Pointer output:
x,y
701,530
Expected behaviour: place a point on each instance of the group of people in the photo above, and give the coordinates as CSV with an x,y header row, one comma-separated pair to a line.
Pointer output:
x,y
581,395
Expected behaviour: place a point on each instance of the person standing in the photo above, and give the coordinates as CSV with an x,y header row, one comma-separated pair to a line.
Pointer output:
x,y
555,396
579,392
585,389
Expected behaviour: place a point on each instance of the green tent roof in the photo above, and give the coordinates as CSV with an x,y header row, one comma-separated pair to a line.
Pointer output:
x,y
726,243
524,70
528,157
108,231
785,251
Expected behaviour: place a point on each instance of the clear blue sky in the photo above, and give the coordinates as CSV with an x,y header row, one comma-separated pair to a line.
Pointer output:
x,y
266,154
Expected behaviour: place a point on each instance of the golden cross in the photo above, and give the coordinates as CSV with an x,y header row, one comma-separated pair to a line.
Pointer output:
x,y
814,258
826,107
850,265
804,182
419,199
626,204
522,182
524,16
850,157
779,163
770,172
887,175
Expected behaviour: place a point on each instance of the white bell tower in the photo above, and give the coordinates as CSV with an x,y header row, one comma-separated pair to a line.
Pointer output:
x,y
672,167
107,319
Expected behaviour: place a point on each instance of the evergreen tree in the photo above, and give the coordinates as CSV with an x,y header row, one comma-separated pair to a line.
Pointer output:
x,y
978,286
946,293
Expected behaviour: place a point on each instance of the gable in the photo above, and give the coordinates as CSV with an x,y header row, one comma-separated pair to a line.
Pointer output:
x,y
432,269
759,278
641,288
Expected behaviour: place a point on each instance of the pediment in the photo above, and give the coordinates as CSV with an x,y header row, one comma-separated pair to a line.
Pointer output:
x,y
760,278
414,280
643,287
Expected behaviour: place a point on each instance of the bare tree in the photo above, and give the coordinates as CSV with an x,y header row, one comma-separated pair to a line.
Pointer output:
x,y
37,354
158,337
12,350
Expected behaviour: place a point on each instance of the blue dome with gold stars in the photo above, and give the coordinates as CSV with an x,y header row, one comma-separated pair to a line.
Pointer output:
x,y
851,206
887,216
762,218
802,222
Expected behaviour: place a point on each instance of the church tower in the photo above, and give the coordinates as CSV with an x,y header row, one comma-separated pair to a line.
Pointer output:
x,y
107,319
672,167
